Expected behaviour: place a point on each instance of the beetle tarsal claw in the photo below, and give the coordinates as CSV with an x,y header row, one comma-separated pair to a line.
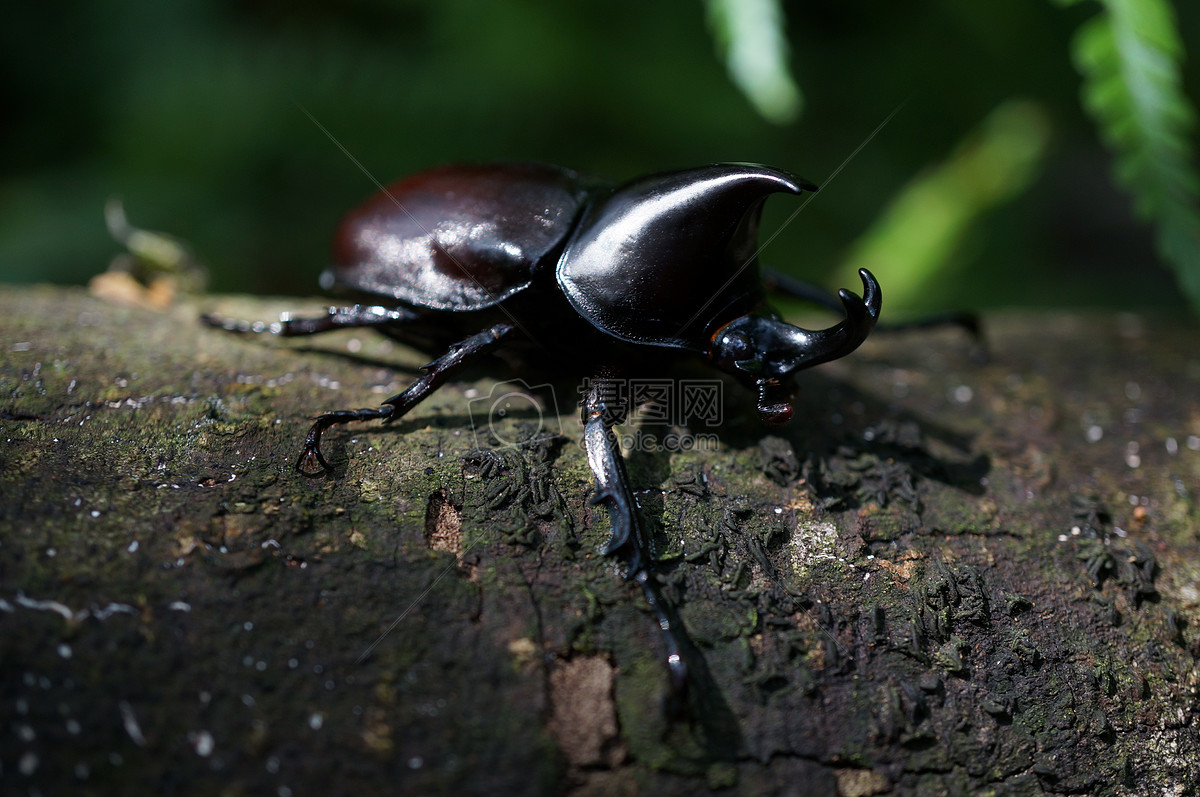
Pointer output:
x,y
311,462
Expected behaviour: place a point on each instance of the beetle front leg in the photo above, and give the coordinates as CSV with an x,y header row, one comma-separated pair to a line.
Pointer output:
x,y
779,282
335,318
628,539
312,463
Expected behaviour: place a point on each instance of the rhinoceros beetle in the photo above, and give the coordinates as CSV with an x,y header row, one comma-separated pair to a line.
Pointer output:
x,y
465,259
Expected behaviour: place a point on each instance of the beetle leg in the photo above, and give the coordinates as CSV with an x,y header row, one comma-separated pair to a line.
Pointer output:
x,y
628,539
312,463
797,289
336,318
612,485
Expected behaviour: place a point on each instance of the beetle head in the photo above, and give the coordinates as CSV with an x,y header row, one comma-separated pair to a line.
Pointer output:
x,y
764,352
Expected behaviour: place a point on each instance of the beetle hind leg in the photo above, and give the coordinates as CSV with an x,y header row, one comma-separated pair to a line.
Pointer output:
x,y
357,315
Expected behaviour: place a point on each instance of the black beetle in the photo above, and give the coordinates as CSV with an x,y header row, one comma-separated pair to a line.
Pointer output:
x,y
464,259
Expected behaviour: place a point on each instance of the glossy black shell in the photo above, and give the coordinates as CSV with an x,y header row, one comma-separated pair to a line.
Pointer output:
x,y
458,238
661,261
667,259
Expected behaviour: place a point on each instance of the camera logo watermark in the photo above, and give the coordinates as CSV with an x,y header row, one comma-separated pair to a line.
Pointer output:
x,y
514,412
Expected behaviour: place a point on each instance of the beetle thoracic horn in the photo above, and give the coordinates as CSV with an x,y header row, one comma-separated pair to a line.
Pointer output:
x,y
687,239
764,350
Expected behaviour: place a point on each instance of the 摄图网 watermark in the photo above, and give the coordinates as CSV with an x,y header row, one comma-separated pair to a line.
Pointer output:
x,y
515,412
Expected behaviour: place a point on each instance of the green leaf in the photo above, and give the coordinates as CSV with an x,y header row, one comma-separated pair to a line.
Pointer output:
x,y
1129,56
914,241
752,41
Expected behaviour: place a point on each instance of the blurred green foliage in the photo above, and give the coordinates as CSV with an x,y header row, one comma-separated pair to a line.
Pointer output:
x,y
1129,55
192,113
919,233
752,39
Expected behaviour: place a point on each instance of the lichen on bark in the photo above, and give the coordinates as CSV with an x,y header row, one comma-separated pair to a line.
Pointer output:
x,y
944,576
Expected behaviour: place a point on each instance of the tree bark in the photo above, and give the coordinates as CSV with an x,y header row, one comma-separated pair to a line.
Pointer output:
x,y
944,577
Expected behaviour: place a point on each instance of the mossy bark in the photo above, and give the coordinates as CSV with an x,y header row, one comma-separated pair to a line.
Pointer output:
x,y
944,577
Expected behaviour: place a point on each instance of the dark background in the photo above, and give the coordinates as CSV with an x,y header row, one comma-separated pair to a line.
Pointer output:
x,y
192,113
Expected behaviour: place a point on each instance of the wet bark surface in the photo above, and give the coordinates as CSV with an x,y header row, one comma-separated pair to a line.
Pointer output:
x,y
943,577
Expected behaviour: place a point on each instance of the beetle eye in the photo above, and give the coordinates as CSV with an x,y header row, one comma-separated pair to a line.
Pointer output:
x,y
734,346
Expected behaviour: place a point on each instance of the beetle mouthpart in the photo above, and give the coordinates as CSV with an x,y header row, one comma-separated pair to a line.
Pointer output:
x,y
774,402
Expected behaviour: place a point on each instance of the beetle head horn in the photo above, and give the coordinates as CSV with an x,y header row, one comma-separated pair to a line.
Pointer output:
x,y
764,351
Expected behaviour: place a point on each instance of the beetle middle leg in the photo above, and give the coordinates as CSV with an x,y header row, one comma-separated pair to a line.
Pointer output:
x,y
628,538
335,318
312,463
